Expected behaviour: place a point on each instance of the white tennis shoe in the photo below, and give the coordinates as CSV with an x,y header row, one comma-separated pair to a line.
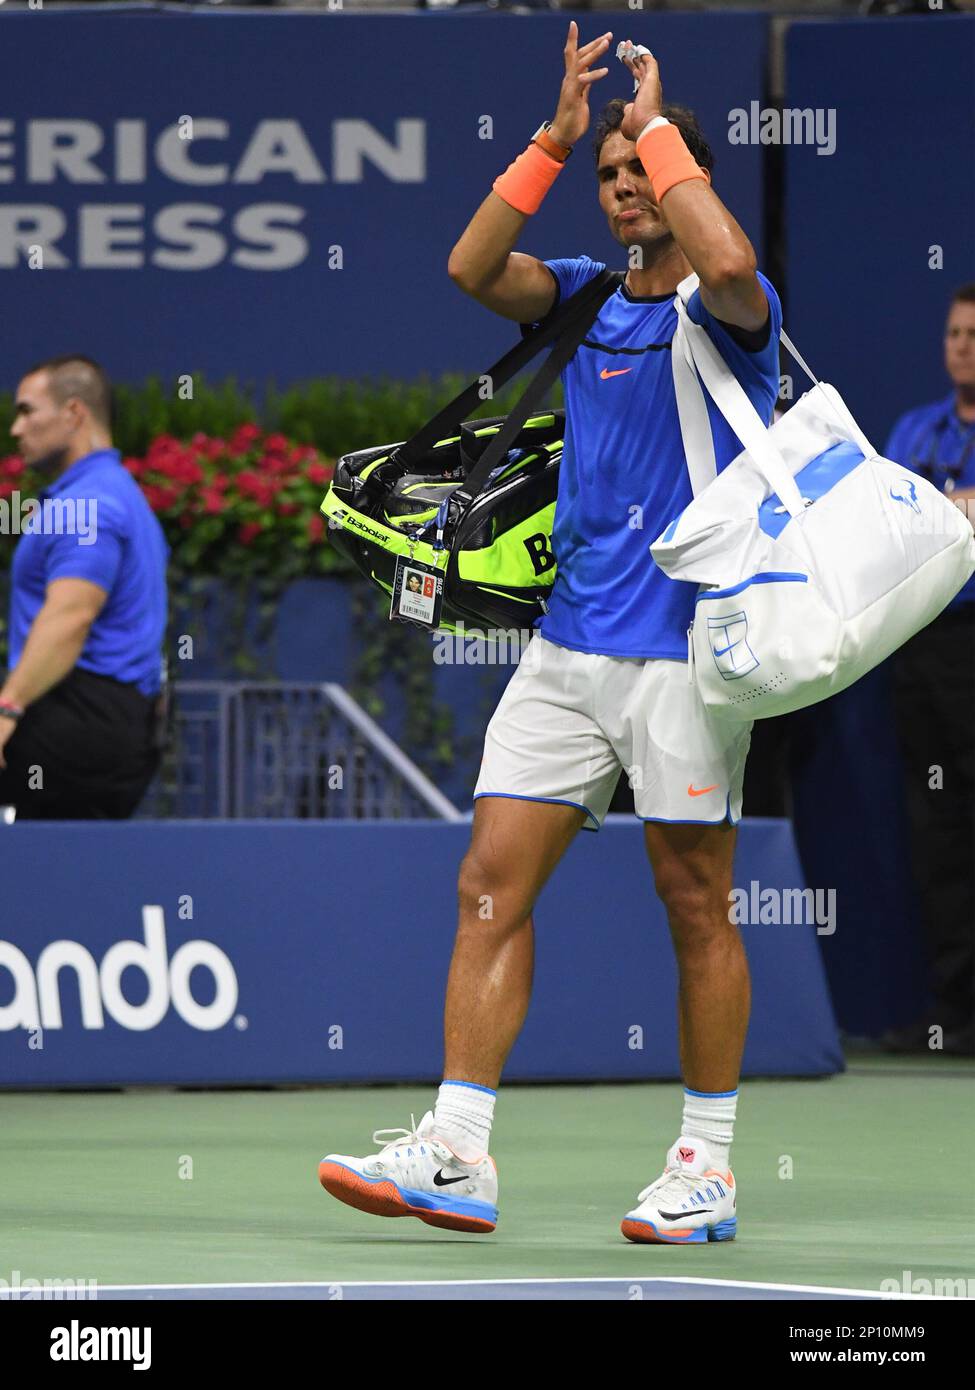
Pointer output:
x,y
416,1174
690,1203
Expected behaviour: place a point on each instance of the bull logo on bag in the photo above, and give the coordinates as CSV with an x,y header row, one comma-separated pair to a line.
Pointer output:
x,y
911,499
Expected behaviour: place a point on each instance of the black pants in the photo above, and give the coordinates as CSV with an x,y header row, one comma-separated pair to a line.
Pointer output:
x,y
87,750
935,698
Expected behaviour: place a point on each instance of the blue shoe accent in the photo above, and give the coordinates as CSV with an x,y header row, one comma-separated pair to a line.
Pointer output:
x,y
725,1230
429,1201
457,1206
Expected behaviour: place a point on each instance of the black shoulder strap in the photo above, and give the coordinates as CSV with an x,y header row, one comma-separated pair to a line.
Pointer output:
x,y
569,325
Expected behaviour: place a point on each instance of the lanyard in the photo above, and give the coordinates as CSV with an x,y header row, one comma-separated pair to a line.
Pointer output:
x,y
929,465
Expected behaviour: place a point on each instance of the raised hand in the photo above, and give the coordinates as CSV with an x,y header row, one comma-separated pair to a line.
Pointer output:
x,y
571,120
648,98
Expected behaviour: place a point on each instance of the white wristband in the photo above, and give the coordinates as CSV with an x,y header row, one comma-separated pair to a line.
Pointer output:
x,y
652,125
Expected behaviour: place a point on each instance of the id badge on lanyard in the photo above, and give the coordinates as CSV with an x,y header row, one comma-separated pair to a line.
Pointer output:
x,y
417,593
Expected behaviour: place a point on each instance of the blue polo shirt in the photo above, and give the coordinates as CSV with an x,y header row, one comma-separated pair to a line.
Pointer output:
x,y
932,441
624,476
95,523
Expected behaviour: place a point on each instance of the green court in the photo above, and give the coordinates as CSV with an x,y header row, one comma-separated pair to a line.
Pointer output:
x,y
167,1187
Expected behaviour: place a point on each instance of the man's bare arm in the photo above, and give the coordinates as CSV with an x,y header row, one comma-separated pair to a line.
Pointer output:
x,y
484,266
483,263
703,228
719,251
55,640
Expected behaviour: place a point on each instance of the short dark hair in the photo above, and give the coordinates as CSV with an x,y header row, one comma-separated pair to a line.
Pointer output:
x,y
611,118
965,294
82,377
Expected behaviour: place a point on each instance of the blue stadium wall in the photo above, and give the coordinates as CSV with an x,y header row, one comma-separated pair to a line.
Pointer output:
x,y
259,952
389,173
379,169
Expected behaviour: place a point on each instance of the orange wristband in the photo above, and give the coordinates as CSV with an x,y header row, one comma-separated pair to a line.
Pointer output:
x,y
524,183
666,159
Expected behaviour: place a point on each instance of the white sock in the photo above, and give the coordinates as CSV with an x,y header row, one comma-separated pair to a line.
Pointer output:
x,y
463,1117
711,1117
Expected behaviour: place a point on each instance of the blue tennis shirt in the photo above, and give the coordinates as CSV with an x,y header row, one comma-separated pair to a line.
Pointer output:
x,y
624,477
932,441
108,534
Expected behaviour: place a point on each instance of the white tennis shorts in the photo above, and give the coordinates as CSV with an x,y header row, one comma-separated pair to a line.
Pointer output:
x,y
568,722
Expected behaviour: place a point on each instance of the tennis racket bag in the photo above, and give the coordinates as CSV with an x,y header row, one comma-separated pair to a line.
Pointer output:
x,y
816,557
473,500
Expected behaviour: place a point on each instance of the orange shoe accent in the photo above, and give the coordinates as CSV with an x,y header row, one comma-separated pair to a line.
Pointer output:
x,y
385,1199
700,791
605,375
643,1234
728,1177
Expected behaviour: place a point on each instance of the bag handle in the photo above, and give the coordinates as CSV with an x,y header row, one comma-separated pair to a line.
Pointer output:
x,y
576,330
731,399
692,412
572,318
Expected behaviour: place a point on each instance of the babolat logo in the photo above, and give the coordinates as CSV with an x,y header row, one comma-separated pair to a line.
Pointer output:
x,y
540,552
355,523
37,992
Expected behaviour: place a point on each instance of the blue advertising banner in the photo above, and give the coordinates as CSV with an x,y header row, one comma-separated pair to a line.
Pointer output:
x,y
881,229
256,194
236,952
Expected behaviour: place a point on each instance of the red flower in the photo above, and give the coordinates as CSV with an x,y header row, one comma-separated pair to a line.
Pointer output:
x,y
12,467
249,531
6,489
160,499
288,508
316,527
260,489
220,482
179,465
318,473
135,466
245,436
213,500
278,466
276,444
162,448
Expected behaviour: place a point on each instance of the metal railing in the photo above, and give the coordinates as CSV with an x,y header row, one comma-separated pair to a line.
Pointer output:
x,y
252,750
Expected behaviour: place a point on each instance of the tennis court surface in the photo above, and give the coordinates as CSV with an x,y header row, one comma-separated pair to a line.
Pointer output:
x,y
848,1188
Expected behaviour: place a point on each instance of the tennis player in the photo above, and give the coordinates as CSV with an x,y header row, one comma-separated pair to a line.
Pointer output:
x,y
610,689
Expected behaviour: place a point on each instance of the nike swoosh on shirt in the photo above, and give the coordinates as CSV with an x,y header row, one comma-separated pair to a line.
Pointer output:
x,y
621,371
699,791
723,650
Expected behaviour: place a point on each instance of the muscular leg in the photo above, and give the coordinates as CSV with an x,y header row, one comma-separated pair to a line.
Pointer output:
x,y
514,847
692,873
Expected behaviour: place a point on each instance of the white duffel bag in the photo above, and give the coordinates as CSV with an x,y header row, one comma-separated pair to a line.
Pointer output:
x,y
817,558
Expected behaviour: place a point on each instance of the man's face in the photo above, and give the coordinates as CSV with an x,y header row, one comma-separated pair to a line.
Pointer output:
x,y
625,194
42,428
960,344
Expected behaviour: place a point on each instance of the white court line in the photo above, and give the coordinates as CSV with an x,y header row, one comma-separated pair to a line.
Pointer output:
x,y
538,1279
